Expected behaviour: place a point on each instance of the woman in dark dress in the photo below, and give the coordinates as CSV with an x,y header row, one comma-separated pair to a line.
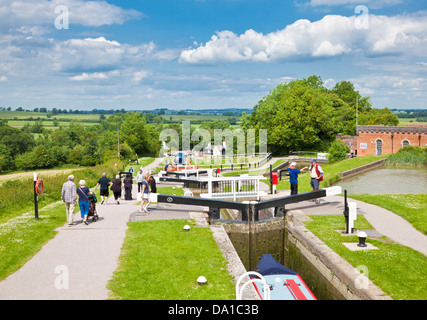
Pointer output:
x,y
128,187
116,187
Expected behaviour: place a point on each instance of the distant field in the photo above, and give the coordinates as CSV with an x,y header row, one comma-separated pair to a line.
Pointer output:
x,y
46,124
410,121
193,117
24,115
21,118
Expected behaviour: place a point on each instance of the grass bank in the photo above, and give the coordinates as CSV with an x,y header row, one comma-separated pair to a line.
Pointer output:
x,y
17,195
21,235
161,261
411,207
398,270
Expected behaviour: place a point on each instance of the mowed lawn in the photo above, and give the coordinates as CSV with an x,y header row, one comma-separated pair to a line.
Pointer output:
x,y
161,261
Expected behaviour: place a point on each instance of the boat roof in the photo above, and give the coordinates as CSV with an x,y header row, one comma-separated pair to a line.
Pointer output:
x,y
269,266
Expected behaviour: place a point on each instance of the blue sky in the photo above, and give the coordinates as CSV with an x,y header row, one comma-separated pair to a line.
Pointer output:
x,y
202,54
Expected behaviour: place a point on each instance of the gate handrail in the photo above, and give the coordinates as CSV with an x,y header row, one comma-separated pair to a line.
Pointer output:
x,y
248,209
280,202
201,202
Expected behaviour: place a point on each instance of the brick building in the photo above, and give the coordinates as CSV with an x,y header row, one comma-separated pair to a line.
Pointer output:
x,y
379,139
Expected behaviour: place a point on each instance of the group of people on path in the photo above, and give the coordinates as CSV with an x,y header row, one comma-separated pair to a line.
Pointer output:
x,y
145,183
316,175
70,192
69,197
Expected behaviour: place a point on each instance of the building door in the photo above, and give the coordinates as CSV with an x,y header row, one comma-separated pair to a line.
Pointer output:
x,y
379,147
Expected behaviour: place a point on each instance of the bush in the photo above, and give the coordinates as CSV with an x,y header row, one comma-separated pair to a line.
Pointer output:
x,y
416,156
338,151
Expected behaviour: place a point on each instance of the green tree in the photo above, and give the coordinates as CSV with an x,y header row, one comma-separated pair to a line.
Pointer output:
x,y
134,133
338,151
42,157
75,155
15,140
297,115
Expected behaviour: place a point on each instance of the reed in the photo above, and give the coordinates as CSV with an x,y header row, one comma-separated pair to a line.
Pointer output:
x,y
413,156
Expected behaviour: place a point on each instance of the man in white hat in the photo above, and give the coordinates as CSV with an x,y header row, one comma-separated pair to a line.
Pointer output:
x,y
293,177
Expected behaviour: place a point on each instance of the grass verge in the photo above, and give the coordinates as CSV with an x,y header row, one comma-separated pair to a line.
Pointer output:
x,y
411,207
23,236
398,270
160,261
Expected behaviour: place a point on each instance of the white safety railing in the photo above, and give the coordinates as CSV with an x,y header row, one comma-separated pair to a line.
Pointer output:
x,y
232,187
260,279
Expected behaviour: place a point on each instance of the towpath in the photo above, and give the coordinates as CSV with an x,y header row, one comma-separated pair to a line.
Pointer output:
x,y
84,255
384,221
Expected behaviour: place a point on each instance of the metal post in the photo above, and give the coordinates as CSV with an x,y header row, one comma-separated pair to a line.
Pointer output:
x,y
271,179
36,198
346,212
118,142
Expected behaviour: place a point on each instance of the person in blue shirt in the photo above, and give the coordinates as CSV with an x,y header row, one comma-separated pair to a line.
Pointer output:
x,y
84,194
293,177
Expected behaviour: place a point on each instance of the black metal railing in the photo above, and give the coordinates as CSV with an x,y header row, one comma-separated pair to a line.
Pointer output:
x,y
250,211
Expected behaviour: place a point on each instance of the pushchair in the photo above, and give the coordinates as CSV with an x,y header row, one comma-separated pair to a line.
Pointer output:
x,y
92,207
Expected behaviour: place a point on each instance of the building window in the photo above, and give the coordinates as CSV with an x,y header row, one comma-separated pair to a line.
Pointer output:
x,y
405,143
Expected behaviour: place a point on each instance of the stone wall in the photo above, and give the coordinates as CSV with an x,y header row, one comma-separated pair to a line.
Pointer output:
x,y
329,276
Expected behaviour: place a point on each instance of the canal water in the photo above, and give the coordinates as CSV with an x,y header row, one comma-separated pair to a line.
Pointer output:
x,y
387,179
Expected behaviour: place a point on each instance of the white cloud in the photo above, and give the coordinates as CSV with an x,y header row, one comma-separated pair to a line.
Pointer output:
x,y
3,79
100,54
42,12
87,77
383,86
87,54
326,49
331,36
374,4
139,75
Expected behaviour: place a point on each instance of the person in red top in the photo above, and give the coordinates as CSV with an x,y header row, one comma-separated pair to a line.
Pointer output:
x,y
316,174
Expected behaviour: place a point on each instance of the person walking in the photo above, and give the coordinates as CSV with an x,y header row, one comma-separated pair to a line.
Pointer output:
x,y
69,197
145,194
316,174
84,194
293,177
104,182
116,187
139,179
153,187
128,187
